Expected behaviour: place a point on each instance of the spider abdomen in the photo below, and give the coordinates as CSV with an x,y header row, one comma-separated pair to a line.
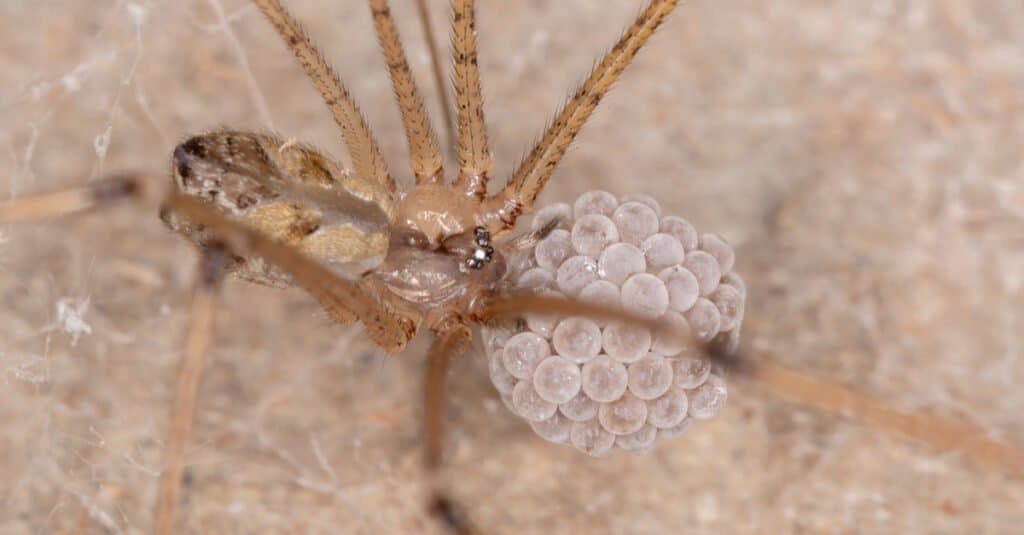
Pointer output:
x,y
287,191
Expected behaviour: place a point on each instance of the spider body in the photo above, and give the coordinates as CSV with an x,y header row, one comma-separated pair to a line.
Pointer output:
x,y
428,249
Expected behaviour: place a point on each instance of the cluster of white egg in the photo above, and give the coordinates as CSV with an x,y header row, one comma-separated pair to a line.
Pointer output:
x,y
601,384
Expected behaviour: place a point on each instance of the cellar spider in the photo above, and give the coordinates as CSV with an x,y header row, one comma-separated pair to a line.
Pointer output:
x,y
369,190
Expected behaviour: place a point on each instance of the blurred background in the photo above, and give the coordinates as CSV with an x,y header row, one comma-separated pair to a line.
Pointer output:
x,y
864,157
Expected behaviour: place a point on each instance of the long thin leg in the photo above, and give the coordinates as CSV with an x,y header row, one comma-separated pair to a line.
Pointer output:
x,y
939,433
435,63
517,305
342,299
212,266
529,179
71,200
474,154
366,155
452,340
389,329
424,151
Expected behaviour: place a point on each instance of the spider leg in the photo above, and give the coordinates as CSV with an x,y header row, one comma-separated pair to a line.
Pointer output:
x,y
453,338
517,305
942,434
211,272
474,153
435,64
390,329
364,149
532,174
425,153
68,201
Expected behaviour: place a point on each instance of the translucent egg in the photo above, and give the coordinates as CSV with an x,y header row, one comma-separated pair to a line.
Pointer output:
x,y
704,319
676,430
535,279
645,295
636,221
682,230
541,324
495,339
579,408
662,250
638,441
519,262
730,306
707,399
553,250
557,380
589,437
502,380
558,211
523,352
604,379
720,249
594,202
650,376
544,324
625,342
554,429
529,404
624,415
577,339
690,372
669,409
599,383
601,292
682,286
575,273
733,279
705,268
620,260
506,399
643,199
675,337
592,233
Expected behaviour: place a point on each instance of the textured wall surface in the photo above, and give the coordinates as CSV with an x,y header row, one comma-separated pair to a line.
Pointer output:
x,y
864,158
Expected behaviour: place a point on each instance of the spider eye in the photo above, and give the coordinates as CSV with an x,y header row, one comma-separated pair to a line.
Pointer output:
x,y
483,253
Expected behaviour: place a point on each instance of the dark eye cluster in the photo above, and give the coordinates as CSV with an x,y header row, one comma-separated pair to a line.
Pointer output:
x,y
483,252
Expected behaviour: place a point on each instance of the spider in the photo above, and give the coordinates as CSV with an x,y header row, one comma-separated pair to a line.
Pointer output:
x,y
437,249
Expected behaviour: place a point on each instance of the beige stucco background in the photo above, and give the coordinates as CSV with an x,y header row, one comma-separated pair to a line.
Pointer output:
x,y
865,158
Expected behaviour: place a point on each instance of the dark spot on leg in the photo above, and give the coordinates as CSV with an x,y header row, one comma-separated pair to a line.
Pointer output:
x,y
448,512
117,188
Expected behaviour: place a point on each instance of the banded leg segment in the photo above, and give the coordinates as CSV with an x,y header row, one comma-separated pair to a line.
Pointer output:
x,y
533,173
212,266
474,153
364,149
424,151
435,63
41,206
